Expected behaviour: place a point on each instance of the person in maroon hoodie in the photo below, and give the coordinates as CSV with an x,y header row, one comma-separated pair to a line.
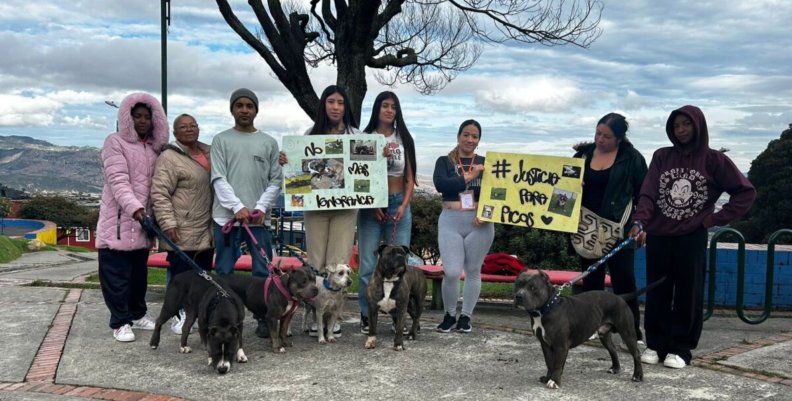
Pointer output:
x,y
676,206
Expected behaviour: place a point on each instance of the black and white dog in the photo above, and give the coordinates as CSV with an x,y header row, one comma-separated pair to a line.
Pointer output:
x,y
562,323
219,314
396,289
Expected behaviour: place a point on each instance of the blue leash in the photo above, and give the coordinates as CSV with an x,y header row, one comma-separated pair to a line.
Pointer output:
x,y
598,263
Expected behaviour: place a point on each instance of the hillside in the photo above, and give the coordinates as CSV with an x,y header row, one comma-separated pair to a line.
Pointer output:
x,y
35,165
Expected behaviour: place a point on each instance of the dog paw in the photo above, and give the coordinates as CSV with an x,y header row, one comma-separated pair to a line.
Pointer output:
x,y
185,350
331,340
371,342
279,350
322,341
551,384
398,347
209,362
637,377
241,357
544,379
614,370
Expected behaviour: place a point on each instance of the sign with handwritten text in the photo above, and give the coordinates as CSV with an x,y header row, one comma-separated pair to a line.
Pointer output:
x,y
330,172
532,191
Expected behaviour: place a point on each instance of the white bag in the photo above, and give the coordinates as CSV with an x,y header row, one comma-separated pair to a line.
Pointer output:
x,y
596,236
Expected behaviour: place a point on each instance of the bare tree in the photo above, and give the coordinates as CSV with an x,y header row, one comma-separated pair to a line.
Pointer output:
x,y
422,42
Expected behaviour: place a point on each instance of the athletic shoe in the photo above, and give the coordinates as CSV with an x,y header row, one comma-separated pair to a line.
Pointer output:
x,y
463,325
144,323
364,324
674,361
314,332
650,357
448,323
641,346
178,322
594,336
124,334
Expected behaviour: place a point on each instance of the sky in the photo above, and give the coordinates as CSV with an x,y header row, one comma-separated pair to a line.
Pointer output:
x,y
63,59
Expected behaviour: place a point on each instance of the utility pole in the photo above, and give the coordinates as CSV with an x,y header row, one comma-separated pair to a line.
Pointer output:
x,y
165,23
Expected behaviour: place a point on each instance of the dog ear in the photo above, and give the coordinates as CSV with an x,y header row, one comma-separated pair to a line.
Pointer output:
x,y
544,275
379,250
406,249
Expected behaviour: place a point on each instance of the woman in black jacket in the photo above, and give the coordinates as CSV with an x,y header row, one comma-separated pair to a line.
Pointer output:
x,y
614,173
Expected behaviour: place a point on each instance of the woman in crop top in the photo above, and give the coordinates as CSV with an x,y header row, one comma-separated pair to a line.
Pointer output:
x,y
463,239
394,223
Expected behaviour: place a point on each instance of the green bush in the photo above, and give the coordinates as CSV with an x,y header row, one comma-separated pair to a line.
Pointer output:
x,y
59,210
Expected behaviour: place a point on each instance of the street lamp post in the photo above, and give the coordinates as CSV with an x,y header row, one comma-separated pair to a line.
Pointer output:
x,y
112,104
165,23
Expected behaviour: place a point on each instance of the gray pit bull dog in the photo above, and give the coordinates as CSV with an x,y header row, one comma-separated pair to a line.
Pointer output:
x,y
395,289
562,323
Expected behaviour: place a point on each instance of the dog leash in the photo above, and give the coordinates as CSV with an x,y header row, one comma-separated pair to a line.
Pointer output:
x,y
149,226
597,264
275,273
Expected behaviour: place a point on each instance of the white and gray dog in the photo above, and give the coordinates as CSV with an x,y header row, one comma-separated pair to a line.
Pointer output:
x,y
329,304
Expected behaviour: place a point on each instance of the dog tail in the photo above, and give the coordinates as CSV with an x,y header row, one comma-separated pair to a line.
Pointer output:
x,y
641,291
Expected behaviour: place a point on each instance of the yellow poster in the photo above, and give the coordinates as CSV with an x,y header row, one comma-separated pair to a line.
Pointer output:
x,y
532,191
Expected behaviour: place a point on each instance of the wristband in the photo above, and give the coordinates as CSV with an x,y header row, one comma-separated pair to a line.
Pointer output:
x,y
638,224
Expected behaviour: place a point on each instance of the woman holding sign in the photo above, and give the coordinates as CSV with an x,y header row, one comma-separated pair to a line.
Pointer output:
x,y
614,171
393,223
330,234
464,240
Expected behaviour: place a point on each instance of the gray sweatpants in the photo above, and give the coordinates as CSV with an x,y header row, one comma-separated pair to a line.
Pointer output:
x,y
463,246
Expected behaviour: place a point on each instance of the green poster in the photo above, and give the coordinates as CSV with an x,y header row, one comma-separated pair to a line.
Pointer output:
x,y
327,172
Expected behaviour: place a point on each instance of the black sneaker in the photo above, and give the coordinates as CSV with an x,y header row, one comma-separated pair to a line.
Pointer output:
x,y
262,330
448,323
463,325
364,324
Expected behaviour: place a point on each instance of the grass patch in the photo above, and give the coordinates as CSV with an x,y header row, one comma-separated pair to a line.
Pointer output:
x,y
11,249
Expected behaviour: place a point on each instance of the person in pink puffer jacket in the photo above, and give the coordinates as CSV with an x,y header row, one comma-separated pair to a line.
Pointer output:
x,y
128,158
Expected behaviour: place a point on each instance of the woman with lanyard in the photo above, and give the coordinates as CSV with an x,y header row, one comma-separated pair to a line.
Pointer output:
x,y
393,223
464,240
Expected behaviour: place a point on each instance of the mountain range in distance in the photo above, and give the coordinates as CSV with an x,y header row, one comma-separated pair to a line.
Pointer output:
x,y
33,165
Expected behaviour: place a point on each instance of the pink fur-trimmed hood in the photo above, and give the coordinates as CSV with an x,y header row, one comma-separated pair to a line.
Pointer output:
x,y
159,121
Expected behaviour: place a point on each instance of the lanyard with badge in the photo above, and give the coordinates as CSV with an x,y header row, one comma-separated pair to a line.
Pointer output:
x,y
466,199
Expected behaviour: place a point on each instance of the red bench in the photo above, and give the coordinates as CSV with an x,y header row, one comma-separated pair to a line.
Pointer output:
x,y
243,263
432,272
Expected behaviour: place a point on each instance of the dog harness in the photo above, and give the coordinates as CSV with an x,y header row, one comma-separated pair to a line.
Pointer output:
x,y
293,302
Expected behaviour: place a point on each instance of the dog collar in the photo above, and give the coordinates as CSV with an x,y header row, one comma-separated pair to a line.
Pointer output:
x,y
553,301
326,284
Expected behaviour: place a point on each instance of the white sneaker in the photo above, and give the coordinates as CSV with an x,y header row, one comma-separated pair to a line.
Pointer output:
x,y
177,322
594,336
649,357
144,323
674,361
641,346
124,334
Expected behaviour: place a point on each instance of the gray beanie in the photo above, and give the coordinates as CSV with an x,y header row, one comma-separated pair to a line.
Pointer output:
x,y
244,92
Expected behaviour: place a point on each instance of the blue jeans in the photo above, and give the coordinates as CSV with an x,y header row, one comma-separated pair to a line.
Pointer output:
x,y
227,248
371,232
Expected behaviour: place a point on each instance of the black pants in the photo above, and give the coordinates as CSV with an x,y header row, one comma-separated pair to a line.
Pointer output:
x,y
674,310
622,272
123,276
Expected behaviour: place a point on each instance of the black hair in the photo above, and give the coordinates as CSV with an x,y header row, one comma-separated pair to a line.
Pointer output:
x,y
322,123
141,104
617,123
398,125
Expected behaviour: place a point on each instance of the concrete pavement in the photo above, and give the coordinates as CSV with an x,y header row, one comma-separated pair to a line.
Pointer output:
x,y
56,345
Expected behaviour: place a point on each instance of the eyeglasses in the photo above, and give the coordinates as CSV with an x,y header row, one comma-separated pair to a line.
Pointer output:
x,y
184,126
